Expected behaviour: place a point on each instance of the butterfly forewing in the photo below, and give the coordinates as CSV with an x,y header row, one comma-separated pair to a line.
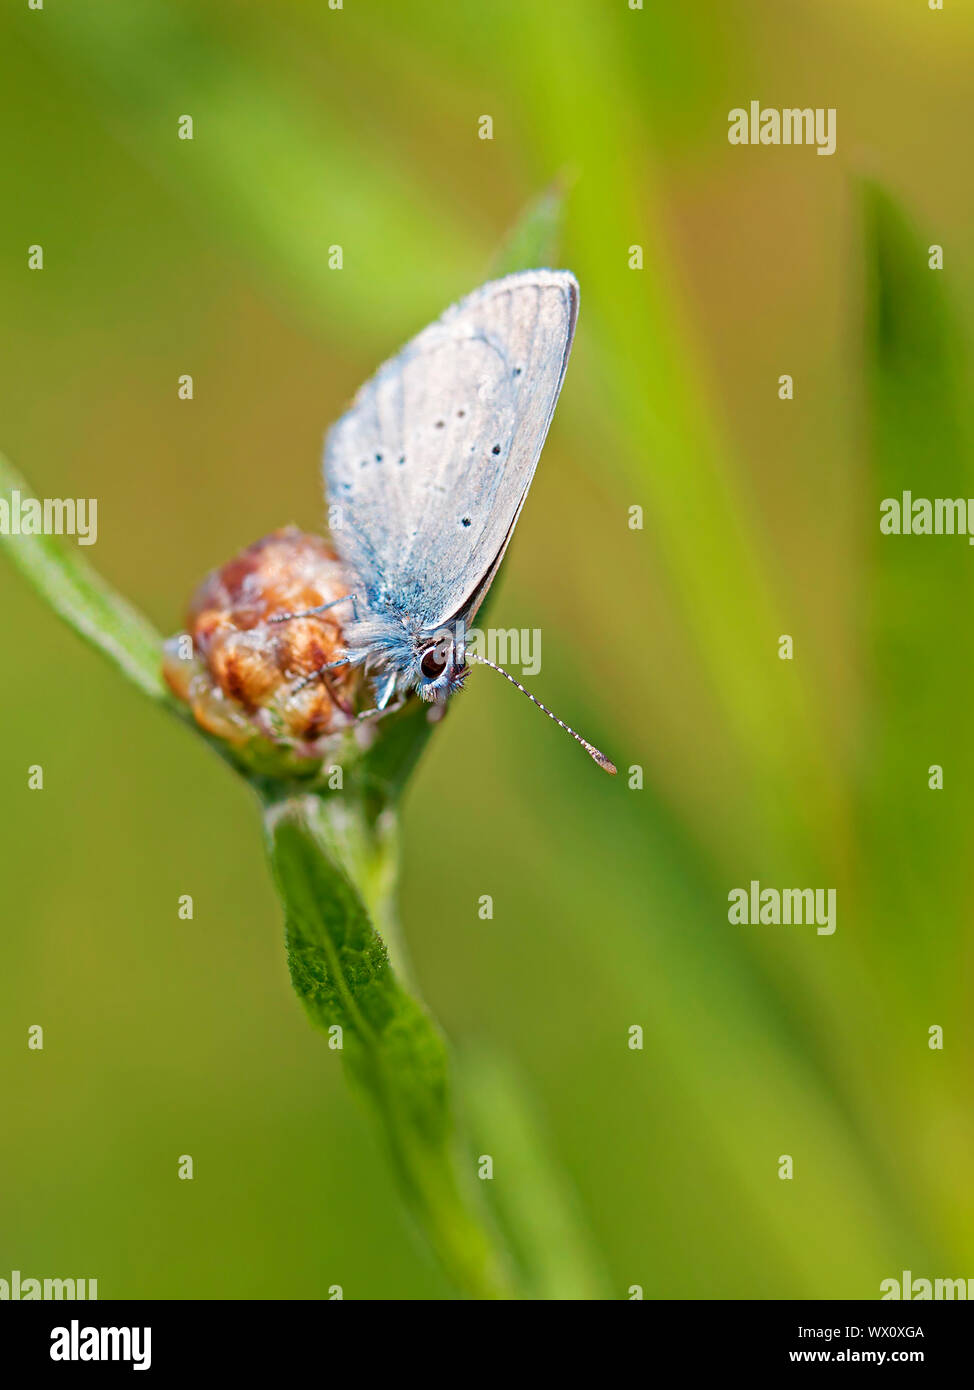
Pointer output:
x,y
428,470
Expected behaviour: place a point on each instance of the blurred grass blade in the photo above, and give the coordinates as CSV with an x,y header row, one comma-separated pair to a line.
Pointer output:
x,y
534,239
390,1046
921,588
79,595
914,352
535,1209
922,585
146,61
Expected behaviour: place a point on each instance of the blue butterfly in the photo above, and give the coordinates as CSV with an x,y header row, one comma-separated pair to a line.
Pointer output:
x,y
426,475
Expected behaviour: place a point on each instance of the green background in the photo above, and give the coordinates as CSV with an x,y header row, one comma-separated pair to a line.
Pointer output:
x,y
359,127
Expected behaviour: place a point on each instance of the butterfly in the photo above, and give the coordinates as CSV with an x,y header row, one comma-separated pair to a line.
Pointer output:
x,y
426,475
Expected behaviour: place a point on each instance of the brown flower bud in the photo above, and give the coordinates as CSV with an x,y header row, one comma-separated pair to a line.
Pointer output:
x,y
242,674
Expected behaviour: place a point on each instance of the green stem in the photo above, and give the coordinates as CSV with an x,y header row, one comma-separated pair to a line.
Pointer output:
x,y
391,1049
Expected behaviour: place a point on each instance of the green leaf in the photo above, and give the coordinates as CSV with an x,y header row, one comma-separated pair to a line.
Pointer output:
x,y
915,370
534,239
535,1207
79,595
390,1047
914,351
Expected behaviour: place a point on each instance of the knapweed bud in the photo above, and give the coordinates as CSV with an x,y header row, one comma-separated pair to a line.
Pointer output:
x,y
241,672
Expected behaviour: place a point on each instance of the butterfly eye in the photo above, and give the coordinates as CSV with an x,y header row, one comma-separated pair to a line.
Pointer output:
x,y
432,664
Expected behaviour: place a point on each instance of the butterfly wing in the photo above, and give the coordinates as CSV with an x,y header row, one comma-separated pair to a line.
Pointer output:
x,y
428,470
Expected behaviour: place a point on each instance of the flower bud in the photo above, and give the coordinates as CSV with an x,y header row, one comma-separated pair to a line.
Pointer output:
x,y
242,676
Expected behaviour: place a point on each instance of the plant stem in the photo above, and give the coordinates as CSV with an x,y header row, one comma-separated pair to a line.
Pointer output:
x,y
390,1046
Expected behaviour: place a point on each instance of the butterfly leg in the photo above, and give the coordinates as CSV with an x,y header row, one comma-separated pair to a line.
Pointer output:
x,y
338,699
314,675
389,709
321,608
384,693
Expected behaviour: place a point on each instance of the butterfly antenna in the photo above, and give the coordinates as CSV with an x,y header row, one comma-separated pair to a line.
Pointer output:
x,y
590,748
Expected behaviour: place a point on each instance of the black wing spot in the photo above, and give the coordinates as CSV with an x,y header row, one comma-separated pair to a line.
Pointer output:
x,y
465,521
364,463
461,414
378,458
496,449
440,424
516,371
402,460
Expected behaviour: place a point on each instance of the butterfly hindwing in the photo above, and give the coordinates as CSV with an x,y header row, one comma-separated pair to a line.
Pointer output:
x,y
429,468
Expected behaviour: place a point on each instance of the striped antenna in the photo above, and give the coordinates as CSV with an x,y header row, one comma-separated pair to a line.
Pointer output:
x,y
590,749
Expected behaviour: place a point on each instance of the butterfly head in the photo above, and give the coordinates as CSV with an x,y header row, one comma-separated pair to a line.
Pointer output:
x,y
402,655
440,665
